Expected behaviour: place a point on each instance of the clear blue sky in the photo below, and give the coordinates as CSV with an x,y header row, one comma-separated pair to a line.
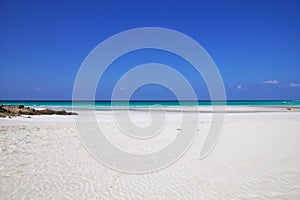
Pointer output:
x,y
255,44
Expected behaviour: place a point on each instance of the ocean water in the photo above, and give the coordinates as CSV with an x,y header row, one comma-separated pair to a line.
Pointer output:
x,y
107,104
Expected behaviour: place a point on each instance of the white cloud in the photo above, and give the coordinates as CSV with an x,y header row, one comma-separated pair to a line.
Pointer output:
x,y
122,88
239,87
36,89
271,82
294,85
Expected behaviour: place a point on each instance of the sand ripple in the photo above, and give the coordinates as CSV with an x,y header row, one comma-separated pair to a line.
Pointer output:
x,y
258,160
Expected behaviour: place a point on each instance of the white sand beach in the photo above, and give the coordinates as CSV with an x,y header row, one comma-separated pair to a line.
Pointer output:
x,y
257,157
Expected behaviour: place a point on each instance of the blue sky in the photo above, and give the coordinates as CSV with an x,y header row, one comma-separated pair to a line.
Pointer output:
x,y
255,44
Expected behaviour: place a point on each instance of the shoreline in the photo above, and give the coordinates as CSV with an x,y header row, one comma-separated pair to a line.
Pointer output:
x,y
64,111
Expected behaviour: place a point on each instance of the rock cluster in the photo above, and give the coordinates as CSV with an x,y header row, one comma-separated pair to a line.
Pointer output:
x,y
11,111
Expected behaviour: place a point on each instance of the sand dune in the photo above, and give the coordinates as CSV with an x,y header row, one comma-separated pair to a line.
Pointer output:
x,y
257,157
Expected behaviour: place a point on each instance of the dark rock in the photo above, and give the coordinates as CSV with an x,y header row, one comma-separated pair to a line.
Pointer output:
x,y
2,109
20,106
21,110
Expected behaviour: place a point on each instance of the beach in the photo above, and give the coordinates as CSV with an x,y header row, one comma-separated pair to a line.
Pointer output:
x,y
257,157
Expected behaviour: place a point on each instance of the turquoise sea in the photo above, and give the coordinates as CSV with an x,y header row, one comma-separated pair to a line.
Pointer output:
x,y
107,104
